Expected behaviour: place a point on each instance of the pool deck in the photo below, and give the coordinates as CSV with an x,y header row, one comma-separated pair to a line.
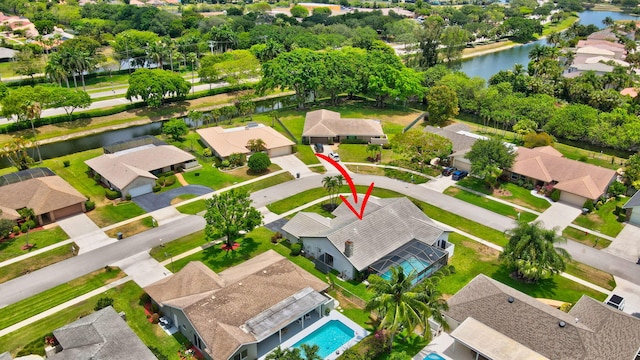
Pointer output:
x,y
359,334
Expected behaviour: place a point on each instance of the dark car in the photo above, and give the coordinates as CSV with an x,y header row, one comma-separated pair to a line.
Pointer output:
x,y
459,175
615,301
318,148
448,171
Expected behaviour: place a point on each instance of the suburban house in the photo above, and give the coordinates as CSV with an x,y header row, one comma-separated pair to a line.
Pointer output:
x,y
131,167
490,320
39,189
244,311
632,207
7,54
598,53
392,232
325,126
224,142
461,138
577,181
103,335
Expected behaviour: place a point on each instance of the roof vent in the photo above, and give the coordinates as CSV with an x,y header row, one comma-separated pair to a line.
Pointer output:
x,y
348,248
562,324
577,320
511,299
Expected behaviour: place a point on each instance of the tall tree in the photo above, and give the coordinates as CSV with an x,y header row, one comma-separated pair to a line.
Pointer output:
x,y
230,212
421,146
68,99
152,86
454,40
531,252
28,63
442,104
429,39
489,158
256,145
16,153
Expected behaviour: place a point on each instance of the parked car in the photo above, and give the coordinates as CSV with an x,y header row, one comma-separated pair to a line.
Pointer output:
x,y
318,148
334,156
459,174
448,171
615,301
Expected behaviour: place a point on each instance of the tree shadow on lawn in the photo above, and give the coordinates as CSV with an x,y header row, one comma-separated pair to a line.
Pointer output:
x,y
544,288
218,259
75,124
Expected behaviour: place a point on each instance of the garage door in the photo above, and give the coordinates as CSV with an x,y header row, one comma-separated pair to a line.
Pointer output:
x,y
284,150
572,199
635,216
67,211
141,190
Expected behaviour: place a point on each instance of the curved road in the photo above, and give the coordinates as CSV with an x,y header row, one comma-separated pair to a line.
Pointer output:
x,y
41,280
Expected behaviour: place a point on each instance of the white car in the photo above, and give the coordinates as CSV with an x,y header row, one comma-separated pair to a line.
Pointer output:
x,y
334,156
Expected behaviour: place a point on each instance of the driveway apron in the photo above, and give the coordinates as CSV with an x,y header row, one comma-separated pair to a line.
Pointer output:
x,y
152,202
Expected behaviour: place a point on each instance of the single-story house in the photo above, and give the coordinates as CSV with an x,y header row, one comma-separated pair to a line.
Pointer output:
x,y
133,171
325,126
392,232
490,320
461,138
7,54
103,335
48,195
576,180
240,313
224,142
632,207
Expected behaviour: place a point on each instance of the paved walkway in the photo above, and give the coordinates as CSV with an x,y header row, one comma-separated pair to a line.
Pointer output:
x,y
155,201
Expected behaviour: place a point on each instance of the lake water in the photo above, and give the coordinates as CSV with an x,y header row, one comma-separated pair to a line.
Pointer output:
x,y
485,66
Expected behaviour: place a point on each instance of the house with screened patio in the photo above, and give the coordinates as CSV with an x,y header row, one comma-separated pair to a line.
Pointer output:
x,y
392,232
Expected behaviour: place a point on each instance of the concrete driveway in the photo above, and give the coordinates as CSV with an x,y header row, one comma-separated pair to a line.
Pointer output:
x,y
559,216
152,202
627,244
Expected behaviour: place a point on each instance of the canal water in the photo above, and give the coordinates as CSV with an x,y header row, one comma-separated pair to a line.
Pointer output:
x,y
487,65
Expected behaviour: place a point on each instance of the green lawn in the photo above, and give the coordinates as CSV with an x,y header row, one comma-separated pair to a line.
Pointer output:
x,y
358,153
48,299
492,205
472,258
126,298
306,155
587,239
603,220
36,262
509,192
179,246
193,208
268,182
558,27
112,214
212,177
10,248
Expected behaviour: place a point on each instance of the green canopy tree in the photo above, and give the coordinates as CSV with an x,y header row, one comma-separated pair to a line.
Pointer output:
x,y
152,86
421,146
531,253
175,128
229,213
442,104
259,162
489,158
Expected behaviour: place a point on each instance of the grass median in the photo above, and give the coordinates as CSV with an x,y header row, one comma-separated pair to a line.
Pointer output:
x,y
60,294
10,248
489,204
36,262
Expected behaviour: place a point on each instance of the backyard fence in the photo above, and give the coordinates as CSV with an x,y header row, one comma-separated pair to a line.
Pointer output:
x,y
349,296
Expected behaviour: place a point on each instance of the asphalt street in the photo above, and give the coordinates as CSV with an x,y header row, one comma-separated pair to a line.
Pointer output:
x,y
64,271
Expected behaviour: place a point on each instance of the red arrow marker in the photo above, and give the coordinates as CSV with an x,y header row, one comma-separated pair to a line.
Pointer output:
x,y
352,186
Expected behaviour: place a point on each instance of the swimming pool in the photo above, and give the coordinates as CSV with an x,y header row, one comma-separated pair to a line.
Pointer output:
x,y
433,356
410,265
329,337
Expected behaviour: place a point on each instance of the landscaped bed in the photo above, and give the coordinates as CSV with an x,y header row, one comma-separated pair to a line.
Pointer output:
x,y
507,191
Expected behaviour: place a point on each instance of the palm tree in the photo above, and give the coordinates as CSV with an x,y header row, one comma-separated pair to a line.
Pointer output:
x,y
311,352
192,58
34,110
531,252
195,116
330,184
84,62
398,304
286,354
156,52
608,21
256,145
54,69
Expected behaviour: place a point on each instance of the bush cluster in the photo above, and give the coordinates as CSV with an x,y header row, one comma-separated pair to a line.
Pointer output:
x,y
112,194
295,249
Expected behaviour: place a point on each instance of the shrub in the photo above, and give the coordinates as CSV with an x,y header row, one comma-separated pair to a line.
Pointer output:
x,y
144,298
527,185
555,195
66,163
583,158
160,181
96,178
207,152
617,188
157,188
533,139
259,162
299,11
170,180
295,249
16,229
225,164
622,217
112,194
155,318
154,307
89,205
353,141
588,205
24,228
6,226
103,303
237,159
275,237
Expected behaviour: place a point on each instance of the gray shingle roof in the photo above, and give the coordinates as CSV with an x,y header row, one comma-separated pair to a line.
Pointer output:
x,y
600,332
633,202
386,225
102,335
461,143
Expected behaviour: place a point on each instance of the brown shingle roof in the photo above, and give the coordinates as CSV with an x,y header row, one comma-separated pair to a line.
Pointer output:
x,y
123,167
592,330
574,177
228,141
43,195
235,296
326,123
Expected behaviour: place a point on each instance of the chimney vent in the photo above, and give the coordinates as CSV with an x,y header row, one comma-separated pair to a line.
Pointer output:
x,y
348,248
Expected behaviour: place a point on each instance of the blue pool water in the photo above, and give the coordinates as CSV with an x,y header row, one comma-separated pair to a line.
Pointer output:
x,y
434,356
410,265
329,337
